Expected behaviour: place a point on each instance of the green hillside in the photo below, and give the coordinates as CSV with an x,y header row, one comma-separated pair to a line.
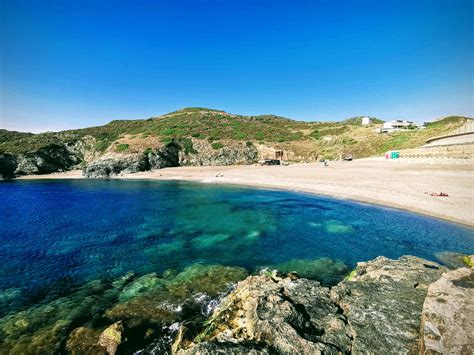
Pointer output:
x,y
304,139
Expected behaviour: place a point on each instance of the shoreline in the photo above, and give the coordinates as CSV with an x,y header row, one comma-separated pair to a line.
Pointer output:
x,y
394,184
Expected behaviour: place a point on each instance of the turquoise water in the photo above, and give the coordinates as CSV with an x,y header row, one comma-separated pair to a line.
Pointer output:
x,y
57,236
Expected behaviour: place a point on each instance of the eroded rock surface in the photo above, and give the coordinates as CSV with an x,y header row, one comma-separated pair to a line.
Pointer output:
x,y
447,325
377,310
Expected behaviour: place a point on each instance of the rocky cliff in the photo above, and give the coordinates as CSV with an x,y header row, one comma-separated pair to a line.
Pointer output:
x,y
81,154
176,153
51,158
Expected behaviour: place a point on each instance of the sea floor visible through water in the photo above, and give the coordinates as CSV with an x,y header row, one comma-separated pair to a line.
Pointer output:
x,y
78,255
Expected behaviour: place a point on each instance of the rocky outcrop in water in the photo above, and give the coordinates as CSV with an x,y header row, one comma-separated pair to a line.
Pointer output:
x,y
377,308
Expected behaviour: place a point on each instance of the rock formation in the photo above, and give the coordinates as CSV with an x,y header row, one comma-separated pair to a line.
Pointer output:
x,y
376,310
404,306
447,322
176,153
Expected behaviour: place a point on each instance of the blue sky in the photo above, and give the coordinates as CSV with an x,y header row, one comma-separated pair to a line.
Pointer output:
x,y
68,64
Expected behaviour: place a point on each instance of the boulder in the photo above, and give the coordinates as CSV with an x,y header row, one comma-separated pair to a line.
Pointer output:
x,y
111,338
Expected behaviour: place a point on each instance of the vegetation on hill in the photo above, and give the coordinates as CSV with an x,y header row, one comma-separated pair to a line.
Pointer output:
x,y
357,120
306,140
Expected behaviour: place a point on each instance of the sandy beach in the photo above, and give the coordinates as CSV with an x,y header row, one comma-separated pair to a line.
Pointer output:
x,y
404,185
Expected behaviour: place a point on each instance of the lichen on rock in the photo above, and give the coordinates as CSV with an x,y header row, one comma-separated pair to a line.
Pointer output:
x,y
447,321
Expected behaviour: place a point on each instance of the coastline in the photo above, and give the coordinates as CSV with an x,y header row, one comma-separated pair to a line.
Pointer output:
x,y
396,184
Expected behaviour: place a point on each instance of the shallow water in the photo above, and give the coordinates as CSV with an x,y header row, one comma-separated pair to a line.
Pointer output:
x,y
57,236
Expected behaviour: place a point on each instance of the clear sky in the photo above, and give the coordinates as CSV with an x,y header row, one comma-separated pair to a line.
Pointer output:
x,y
68,64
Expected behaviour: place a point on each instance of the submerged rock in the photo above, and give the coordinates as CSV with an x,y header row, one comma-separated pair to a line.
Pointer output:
x,y
83,340
454,260
325,270
170,299
44,328
141,285
447,325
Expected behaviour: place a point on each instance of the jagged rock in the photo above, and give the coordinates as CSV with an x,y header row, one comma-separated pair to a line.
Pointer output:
x,y
447,325
377,310
383,301
111,338
286,315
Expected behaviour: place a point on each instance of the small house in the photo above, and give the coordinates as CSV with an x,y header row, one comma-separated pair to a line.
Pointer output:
x,y
397,125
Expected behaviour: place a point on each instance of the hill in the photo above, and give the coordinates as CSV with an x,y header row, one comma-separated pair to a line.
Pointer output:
x,y
207,136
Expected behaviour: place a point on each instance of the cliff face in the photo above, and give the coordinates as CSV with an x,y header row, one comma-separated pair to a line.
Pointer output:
x,y
49,159
81,154
175,153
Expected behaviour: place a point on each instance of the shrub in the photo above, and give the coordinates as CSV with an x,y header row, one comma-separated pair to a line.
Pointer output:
x,y
217,145
316,134
240,135
168,132
187,145
121,147
101,146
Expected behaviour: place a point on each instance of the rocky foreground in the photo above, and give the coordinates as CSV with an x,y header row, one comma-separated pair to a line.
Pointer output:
x,y
408,305
404,306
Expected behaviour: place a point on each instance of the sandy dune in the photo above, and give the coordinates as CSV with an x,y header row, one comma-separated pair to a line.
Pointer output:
x,y
404,185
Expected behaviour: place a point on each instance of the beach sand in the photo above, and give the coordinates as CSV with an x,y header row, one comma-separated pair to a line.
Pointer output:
x,y
399,184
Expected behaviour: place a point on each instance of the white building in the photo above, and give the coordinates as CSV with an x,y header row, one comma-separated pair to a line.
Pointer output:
x,y
366,120
397,125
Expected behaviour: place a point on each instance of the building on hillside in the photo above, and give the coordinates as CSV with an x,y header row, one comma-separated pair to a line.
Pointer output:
x,y
397,125
366,120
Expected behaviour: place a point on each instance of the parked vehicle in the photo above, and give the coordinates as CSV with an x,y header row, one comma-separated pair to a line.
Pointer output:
x,y
270,162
